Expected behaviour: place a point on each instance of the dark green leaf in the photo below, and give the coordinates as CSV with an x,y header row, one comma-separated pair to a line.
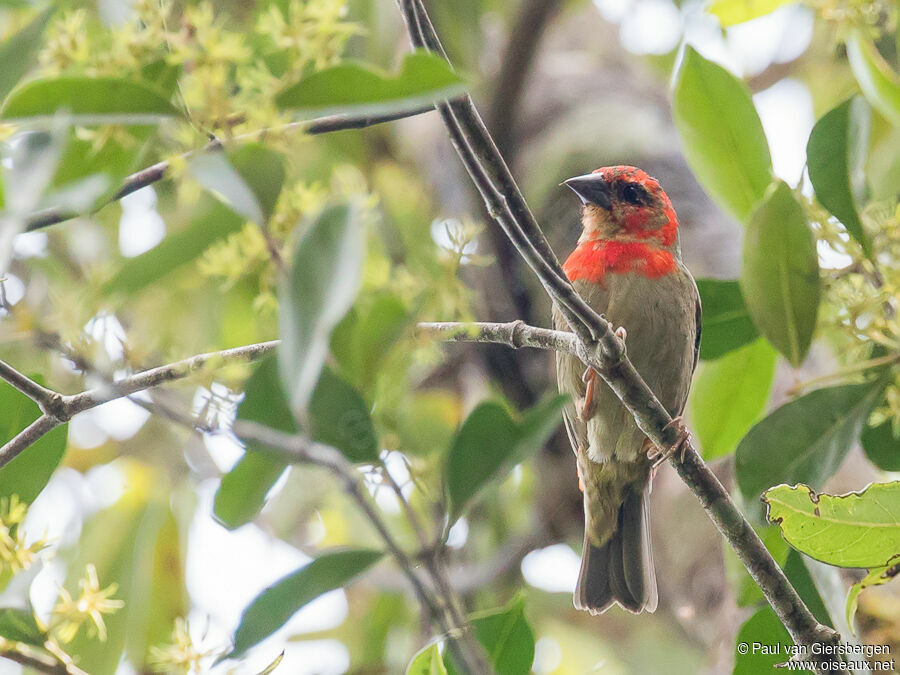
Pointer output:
x,y
881,446
338,416
28,473
879,84
271,609
102,100
766,643
743,378
18,53
506,637
806,440
536,426
801,579
836,155
212,221
356,88
721,135
427,661
780,274
242,492
726,322
860,529
18,625
325,274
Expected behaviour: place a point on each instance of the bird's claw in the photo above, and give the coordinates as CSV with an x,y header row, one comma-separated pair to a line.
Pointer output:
x,y
621,333
586,407
679,447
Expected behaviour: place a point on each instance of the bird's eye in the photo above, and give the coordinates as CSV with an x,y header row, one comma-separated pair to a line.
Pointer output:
x,y
632,194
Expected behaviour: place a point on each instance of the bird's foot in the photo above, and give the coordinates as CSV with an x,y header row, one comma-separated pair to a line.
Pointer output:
x,y
621,333
586,407
679,447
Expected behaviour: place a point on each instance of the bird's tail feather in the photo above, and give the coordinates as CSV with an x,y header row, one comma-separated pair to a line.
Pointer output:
x,y
621,570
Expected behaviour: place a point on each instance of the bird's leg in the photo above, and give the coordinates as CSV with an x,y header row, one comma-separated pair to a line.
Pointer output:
x,y
588,407
679,447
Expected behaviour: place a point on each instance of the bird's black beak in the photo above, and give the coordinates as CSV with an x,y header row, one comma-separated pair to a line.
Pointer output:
x,y
592,189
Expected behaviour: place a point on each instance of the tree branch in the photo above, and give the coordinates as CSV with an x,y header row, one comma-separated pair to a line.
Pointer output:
x,y
26,385
59,409
604,352
155,173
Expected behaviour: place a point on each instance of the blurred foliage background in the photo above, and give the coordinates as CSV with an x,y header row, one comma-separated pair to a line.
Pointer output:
x,y
122,547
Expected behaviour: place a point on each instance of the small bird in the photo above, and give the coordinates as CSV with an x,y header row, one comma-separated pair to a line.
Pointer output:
x,y
627,266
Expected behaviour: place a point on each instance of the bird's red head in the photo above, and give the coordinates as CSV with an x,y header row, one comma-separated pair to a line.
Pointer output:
x,y
624,203
629,226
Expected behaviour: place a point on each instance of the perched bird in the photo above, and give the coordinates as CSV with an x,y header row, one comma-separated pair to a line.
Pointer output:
x,y
627,266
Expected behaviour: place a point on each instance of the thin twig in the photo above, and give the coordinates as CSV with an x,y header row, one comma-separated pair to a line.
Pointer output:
x,y
25,384
156,172
603,351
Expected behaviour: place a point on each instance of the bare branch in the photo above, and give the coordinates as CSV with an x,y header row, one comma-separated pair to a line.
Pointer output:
x,y
155,173
26,385
515,334
28,436
603,351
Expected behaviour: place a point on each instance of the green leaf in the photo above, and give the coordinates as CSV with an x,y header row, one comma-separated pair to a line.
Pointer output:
x,y
881,446
212,221
836,156
806,440
799,575
30,471
761,643
860,529
721,135
489,443
875,577
262,170
427,661
271,609
506,637
726,322
743,378
356,88
18,625
242,492
780,274
879,84
325,274
101,100
338,416
19,52
731,12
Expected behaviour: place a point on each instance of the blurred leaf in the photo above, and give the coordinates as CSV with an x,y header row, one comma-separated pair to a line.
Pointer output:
x,y
507,639
875,577
743,378
801,579
338,416
860,529
726,322
163,75
780,274
211,222
731,12
18,625
721,135
262,170
879,84
82,158
490,443
360,89
427,420
805,440
19,52
881,446
242,492
762,633
101,100
30,471
214,172
747,592
325,275
427,661
271,609
836,156
832,591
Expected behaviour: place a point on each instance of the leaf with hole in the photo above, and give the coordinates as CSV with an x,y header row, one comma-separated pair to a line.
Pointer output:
x,y
721,135
780,273
836,157
860,529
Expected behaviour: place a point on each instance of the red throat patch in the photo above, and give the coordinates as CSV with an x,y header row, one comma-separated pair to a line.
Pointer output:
x,y
593,260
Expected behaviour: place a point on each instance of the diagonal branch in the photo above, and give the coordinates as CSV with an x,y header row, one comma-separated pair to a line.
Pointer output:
x,y
604,352
155,173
